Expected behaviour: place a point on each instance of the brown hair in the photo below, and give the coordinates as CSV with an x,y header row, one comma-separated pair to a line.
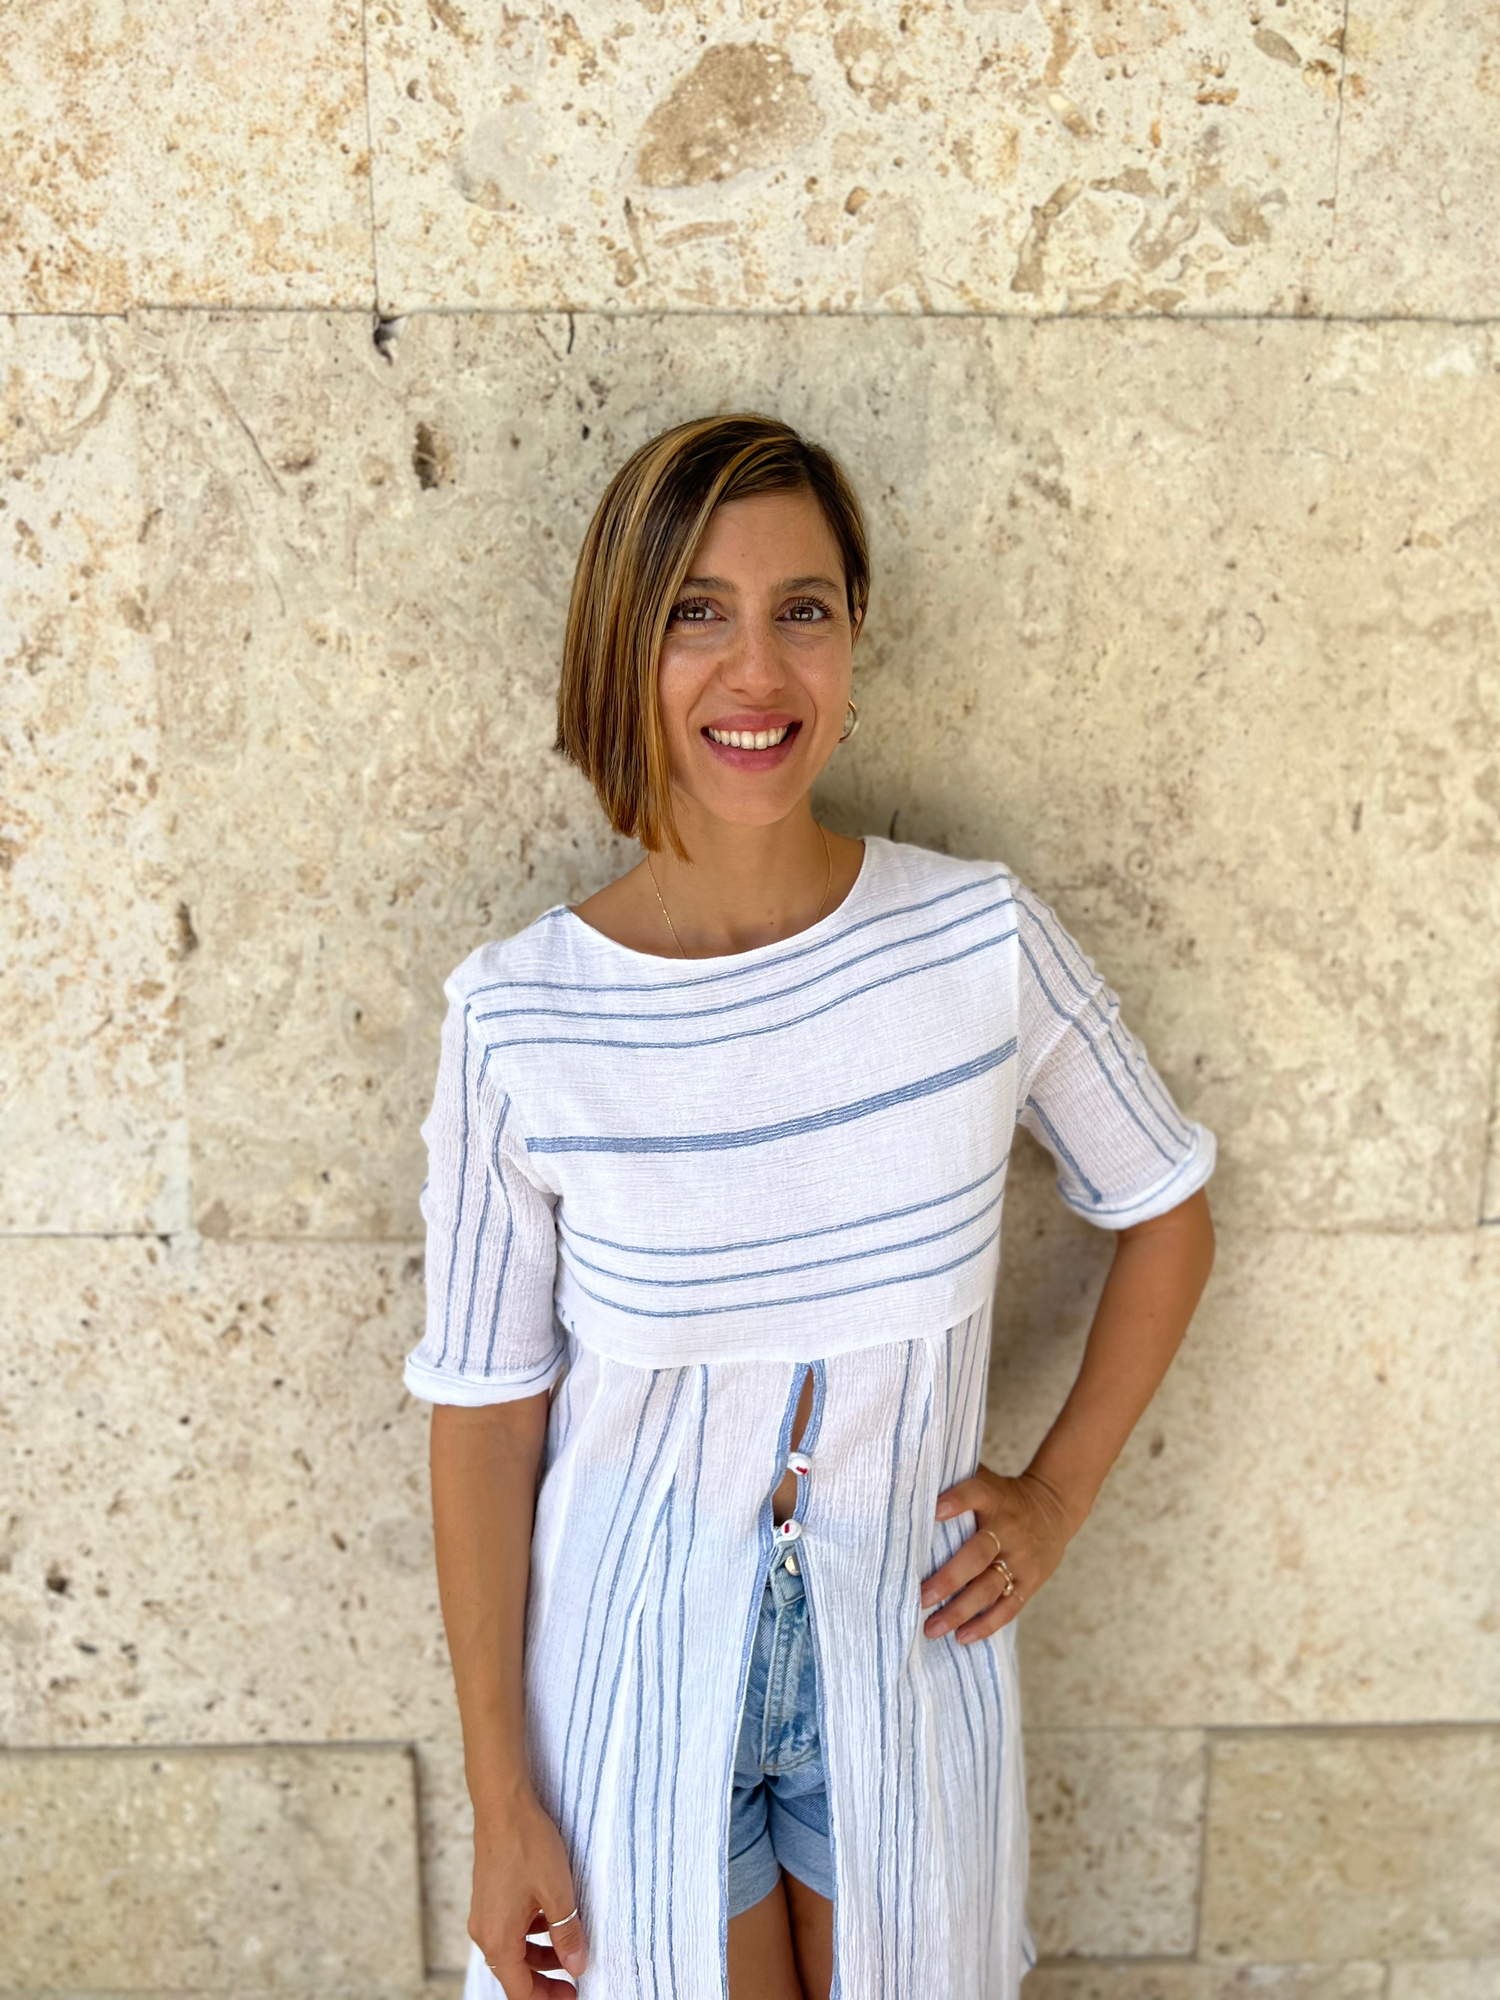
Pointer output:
x,y
630,569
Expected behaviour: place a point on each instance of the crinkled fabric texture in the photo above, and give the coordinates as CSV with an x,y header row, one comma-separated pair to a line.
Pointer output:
x,y
685,1184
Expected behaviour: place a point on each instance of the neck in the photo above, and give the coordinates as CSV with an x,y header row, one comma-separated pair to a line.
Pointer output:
x,y
743,885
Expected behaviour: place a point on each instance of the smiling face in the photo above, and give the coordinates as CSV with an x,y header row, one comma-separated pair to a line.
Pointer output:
x,y
753,681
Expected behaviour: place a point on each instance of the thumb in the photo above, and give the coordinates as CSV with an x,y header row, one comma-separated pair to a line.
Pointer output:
x,y
566,1931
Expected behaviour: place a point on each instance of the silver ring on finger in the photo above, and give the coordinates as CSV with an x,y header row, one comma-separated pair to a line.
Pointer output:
x,y
1004,1568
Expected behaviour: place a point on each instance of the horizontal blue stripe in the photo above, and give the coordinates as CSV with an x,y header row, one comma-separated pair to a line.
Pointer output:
x,y
654,1014
772,1242
746,1034
787,1128
803,1299
667,984
787,1270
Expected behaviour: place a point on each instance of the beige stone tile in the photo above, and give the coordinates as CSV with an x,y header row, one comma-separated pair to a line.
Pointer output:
x,y
1489,1208
217,1525
1241,733
92,1131
1116,1835
1144,1980
1360,1843
183,154
1417,230
1306,1525
993,157
1271,824
230,1870
358,682
1446,1979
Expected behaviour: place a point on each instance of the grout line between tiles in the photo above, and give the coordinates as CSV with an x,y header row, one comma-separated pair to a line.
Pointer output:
x,y
331,309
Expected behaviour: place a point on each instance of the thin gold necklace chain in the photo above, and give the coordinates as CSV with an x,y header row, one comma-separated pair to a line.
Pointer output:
x,y
827,885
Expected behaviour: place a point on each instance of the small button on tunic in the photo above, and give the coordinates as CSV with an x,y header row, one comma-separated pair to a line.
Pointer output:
x,y
686,1184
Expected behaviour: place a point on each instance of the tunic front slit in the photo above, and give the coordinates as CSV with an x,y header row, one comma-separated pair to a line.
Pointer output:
x,y
670,1188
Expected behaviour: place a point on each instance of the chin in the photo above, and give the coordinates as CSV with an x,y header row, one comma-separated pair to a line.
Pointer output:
x,y
752,804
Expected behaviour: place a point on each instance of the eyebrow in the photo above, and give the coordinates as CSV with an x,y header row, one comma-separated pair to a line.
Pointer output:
x,y
790,583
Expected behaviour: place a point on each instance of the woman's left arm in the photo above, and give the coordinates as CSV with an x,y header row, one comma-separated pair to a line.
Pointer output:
x,y
1160,1268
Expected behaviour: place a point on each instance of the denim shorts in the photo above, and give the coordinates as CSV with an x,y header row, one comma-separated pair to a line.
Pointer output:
x,y
778,1810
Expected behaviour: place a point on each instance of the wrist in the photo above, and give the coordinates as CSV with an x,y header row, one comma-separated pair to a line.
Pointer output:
x,y
1073,1500
500,1797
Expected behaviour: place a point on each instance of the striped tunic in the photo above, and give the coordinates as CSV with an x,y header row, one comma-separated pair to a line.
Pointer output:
x,y
687,1184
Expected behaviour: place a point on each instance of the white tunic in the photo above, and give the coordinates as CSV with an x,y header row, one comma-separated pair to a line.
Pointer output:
x,y
687,1182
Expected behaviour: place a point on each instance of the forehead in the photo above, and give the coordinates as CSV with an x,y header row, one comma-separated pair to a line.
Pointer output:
x,y
769,534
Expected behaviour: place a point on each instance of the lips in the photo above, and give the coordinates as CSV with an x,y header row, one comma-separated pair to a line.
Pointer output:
x,y
751,742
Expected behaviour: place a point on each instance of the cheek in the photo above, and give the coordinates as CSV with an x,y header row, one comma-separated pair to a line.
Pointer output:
x,y
678,681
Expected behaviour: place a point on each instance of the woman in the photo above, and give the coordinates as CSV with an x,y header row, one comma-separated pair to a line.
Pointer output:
x,y
732,1612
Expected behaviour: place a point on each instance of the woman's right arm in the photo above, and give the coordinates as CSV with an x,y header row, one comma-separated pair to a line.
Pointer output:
x,y
484,1478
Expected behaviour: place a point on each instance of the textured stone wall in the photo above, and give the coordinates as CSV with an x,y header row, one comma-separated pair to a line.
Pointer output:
x,y
1163,342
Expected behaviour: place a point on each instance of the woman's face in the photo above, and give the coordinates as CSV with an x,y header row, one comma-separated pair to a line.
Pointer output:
x,y
754,672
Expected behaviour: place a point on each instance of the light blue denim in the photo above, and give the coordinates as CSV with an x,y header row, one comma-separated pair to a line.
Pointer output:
x,y
778,1809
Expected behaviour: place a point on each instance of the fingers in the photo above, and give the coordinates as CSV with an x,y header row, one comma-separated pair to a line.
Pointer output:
x,y
518,1973
969,1496
969,1560
568,1941
977,1609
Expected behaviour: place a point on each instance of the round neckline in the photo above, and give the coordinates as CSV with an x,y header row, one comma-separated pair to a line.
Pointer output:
x,y
857,889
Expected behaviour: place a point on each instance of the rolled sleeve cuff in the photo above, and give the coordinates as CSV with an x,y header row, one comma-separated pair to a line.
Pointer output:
x,y
474,1392
1190,1174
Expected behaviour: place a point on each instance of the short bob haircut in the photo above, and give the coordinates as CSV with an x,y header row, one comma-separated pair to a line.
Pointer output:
x,y
630,570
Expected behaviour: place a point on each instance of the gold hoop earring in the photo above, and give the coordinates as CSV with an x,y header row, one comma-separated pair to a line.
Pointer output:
x,y
851,725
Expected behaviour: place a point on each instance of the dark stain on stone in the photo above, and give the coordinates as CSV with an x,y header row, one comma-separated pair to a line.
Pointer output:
x,y
187,937
387,332
57,1582
431,458
1277,47
741,106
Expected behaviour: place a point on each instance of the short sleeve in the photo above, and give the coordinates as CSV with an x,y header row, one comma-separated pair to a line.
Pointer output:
x,y
1087,1091
491,1334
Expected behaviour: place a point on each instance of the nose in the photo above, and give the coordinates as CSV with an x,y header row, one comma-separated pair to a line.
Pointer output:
x,y
754,664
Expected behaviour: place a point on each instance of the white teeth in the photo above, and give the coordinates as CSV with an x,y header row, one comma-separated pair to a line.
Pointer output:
x,y
747,739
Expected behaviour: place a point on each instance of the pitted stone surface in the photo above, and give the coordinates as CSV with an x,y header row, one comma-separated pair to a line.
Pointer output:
x,y
217,1524
1328,1426
1380,1842
1417,228
1090,535
1147,1980
232,1870
92,1123
1116,1832
184,154
1446,1979
357,686
1063,156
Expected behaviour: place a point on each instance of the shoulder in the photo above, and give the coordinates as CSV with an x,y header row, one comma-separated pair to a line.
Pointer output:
x,y
546,953
906,871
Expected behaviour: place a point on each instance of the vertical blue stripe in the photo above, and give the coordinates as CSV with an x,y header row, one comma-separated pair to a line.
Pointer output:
x,y
616,1521
881,1678
687,1564
510,1236
458,1205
